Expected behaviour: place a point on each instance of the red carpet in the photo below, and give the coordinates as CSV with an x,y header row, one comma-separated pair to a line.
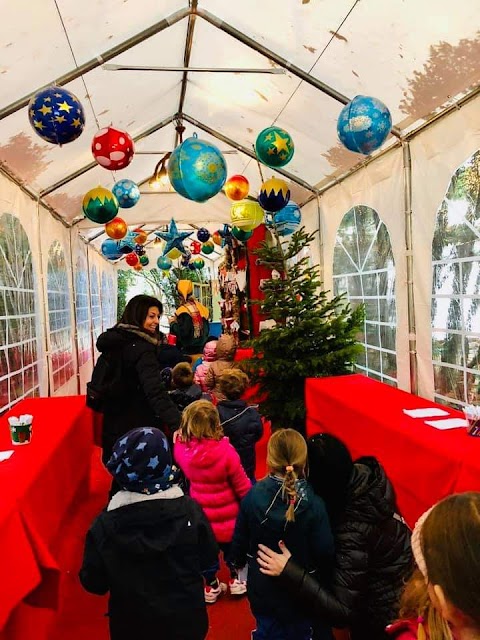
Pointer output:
x,y
82,615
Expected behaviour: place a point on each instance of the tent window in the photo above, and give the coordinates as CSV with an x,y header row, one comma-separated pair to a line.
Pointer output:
x,y
96,304
108,302
456,289
18,327
364,268
82,314
59,317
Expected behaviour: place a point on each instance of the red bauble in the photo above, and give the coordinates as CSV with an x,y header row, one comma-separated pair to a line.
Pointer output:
x,y
131,259
112,149
195,247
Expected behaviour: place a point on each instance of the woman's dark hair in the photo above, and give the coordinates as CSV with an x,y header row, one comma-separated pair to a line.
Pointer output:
x,y
137,308
330,468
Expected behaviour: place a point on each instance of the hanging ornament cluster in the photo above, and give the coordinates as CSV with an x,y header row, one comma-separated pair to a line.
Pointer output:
x,y
237,187
364,124
127,193
116,228
100,205
173,239
56,115
274,195
274,147
288,219
112,148
197,169
246,214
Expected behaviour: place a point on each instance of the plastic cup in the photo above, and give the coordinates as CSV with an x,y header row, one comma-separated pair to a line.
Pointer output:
x,y
21,433
171,339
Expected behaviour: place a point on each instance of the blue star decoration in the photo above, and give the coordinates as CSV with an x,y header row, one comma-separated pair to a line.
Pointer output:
x,y
174,238
153,463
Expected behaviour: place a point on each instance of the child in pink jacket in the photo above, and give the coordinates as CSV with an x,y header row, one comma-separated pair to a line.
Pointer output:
x,y
217,482
209,356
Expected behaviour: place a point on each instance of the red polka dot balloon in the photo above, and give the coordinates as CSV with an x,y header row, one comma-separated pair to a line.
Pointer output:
x,y
112,149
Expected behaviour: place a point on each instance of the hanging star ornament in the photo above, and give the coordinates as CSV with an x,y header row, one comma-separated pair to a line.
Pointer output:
x,y
173,238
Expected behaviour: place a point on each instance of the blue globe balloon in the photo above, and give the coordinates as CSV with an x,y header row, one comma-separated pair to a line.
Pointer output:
x,y
164,263
364,124
56,115
111,249
127,193
197,170
288,219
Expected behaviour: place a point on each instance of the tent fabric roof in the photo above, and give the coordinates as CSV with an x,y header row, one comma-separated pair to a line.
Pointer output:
x,y
368,47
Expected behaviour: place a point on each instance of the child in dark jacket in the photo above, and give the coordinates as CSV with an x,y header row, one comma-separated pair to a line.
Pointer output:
x,y
149,547
240,422
184,390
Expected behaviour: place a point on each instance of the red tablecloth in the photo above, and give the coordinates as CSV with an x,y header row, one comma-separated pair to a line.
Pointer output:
x,y
423,463
38,483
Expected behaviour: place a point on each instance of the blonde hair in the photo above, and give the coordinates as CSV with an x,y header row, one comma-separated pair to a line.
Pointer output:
x,y
415,603
200,419
182,375
232,383
287,457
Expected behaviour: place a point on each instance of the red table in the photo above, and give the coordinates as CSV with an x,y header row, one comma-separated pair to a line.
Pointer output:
x,y
39,483
423,463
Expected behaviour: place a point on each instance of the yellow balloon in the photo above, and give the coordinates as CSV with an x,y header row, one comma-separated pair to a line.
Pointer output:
x,y
246,214
174,254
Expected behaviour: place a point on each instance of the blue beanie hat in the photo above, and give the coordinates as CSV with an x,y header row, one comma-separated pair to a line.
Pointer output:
x,y
141,461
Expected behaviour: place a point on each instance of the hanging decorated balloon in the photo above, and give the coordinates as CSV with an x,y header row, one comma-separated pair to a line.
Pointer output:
x,y
242,235
112,149
140,236
137,267
100,205
237,188
164,263
132,259
116,228
203,234
110,249
139,250
274,195
246,214
144,261
208,247
197,169
364,124
127,193
195,247
217,238
198,263
56,115
274,147
173,238
288,219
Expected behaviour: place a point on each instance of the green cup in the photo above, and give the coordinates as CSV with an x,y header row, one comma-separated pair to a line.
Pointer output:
x,y
21,433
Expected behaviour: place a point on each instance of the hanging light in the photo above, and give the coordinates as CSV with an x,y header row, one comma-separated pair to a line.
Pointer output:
x,y
159,178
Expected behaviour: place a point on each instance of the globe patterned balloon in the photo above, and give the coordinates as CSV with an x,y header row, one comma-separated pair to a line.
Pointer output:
x,y
116,228
111,249
56,115
144,260
274,147
164,263
241,234
246,214
127,193
198,263
197,170
100,205
274,195
203,234
208,247
364,124
237,188
288,219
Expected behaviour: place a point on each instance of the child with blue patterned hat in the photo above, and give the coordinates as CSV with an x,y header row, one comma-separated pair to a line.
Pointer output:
x,y
150,546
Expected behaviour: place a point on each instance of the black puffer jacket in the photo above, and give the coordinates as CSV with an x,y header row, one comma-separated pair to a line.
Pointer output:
x,y
243,426
372,560
144,401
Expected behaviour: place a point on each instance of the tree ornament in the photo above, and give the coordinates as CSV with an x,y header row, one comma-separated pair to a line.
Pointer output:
x,y
198,263
288,219
164,263
100,205
274,195
127,193
197,169
274,147
203,234
237,187
195,247
116,228
246,214
275,274
56,115
364,124
112,148
208,247
132,259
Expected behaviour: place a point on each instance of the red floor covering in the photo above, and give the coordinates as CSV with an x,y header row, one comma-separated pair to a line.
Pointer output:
x,y
82,615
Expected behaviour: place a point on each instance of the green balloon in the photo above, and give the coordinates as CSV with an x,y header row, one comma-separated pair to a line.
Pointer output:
x,y
101,212
274,147
241,235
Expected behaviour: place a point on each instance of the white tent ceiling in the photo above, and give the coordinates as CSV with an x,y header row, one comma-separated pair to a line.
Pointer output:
x,y
418,57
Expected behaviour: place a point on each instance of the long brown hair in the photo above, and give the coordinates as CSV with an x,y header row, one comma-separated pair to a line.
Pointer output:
x,y
415,604
287,457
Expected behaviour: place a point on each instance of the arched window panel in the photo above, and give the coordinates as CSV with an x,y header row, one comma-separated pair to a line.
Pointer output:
x,y
18,326
96,304
108,301
84,343
456,289
59,317
364,269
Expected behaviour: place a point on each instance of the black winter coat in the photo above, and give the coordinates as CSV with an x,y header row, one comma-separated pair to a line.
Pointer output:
x,y
149,555
183,397
145,401
243,427
373,559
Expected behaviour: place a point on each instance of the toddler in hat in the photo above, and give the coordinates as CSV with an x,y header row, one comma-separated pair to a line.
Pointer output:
x,y
150,546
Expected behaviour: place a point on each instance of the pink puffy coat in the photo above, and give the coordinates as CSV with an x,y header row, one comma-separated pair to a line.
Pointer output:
x,y
209,356
217,481
226,348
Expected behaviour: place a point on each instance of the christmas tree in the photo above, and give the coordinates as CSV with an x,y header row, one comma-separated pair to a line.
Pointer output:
x,y
314,335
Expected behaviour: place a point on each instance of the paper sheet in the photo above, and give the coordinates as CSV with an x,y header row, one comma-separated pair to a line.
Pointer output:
x,y
451,423
5,455
428,412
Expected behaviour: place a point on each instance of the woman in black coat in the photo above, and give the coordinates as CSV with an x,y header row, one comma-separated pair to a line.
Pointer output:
x,y
141,399
372,544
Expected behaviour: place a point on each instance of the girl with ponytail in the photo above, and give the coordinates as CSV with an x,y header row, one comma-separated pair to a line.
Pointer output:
x,y
282,507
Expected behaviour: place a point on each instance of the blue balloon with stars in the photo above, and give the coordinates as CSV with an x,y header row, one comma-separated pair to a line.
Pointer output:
x,y
127,193
197,169
364,124
173,238
288,219
56,115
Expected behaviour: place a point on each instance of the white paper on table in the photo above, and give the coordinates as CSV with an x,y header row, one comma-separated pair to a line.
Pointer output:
x,y
450,423
5,455
428,412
